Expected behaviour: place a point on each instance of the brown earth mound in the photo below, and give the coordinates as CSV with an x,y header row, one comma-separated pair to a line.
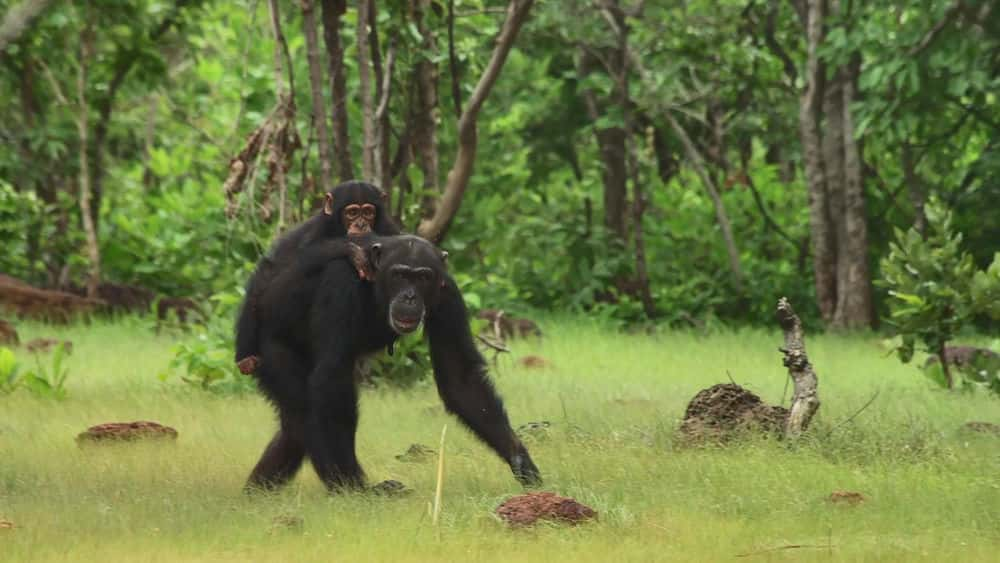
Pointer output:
x,y
45,345
120,297
526,509
846,497
6,524
982,427
725,410
57,306
126,431
533,362
7,333
416,453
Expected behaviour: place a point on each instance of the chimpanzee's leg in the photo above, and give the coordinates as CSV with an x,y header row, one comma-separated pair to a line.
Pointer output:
x,y
280,461
462,382
281,377
331,425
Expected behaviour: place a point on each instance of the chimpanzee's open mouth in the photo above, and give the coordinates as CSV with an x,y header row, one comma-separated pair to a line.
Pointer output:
x,y
404,325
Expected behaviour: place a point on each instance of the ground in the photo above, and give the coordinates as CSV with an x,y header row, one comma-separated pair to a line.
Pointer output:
x,y
931,490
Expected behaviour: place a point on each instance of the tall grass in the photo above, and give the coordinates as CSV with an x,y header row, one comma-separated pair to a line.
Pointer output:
x,y
614,400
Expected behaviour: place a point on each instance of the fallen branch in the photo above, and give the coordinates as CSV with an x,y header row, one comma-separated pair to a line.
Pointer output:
x,y
805,400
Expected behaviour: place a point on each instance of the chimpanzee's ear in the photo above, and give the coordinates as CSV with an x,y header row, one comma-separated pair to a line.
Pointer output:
x,y
328,204
376,252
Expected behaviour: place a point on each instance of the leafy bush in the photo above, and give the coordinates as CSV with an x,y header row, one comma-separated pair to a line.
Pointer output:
x,y
41,381
934,287
10,371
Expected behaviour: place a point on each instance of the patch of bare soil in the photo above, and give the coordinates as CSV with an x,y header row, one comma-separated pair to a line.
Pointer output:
x,y
46,345
505,326
6,524
533,362
416,453
726,410
7,333
526,509
57,306
390,488
126,432
982,427
847,497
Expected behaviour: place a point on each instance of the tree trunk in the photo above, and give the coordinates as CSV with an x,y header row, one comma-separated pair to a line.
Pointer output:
x,y
720,210
611,145
383,91
315,58
854,309
365,93
436,227
332,11
943,359
18,19
425,109
82,122
822,233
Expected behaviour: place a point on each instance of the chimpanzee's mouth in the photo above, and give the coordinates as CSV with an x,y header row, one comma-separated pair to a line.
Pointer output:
x,y
405,325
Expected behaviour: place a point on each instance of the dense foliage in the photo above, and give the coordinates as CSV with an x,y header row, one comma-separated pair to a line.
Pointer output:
x,y
630,163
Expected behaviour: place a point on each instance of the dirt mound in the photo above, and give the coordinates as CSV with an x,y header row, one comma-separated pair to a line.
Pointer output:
x,y
725,410
416,453
127,431
6,524
7,333
55,306
963,356
982,427
533,362
846,497
505,326
45,345
526,509
119,297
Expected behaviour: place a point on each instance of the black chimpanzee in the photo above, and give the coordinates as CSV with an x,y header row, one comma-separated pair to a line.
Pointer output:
x,y
315,325
351,209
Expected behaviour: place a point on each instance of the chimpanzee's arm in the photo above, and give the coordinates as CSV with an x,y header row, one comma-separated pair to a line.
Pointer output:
x,y
247,344
463,384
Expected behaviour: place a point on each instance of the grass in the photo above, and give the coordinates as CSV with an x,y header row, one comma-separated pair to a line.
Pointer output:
x,y
933,490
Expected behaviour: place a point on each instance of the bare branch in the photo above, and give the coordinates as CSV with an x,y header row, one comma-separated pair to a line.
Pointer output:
x,y
456,91
805,398
933,32
437,225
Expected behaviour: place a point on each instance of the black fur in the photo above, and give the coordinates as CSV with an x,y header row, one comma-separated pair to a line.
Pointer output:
x,y
317,322
307,245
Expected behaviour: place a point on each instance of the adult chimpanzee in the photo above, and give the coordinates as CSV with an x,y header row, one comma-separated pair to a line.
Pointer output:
x,y
315,325
351,209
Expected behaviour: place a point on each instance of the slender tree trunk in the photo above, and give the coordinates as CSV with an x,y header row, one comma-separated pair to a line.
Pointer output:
x,y
611,144
425,109
332,12
822,233
383,91
943,358
82,123
436,227
713,192
855,298
365,93
18,18
315,58
833,165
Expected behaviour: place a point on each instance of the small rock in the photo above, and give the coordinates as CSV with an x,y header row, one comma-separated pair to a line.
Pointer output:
x,y
390,488
846,497
416,453
126,431
526,509
533,362
982,427
46,345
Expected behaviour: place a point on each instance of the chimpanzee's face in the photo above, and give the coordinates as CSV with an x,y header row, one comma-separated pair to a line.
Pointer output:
x,y
359,219
410,272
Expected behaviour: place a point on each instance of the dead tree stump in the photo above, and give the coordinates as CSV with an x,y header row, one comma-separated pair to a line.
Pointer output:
x,y
805,399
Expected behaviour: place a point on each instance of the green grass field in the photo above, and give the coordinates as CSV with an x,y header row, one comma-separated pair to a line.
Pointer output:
x,y
933,489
